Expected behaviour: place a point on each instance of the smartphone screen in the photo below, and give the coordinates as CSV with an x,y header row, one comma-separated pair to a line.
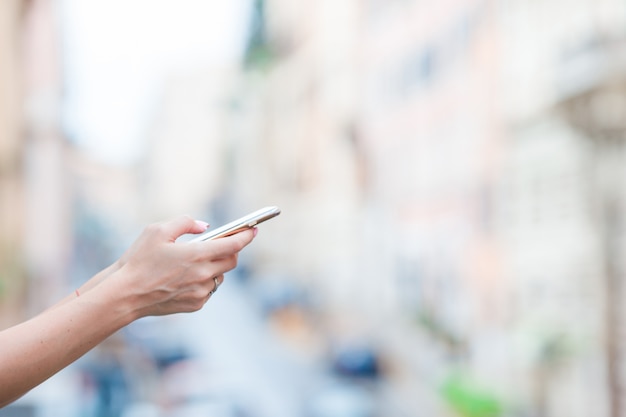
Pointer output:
x,y
243,223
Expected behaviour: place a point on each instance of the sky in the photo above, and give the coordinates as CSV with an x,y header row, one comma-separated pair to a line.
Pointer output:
x,y
116,53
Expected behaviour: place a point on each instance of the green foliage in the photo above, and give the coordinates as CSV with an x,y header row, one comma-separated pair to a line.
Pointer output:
x,y
259,57
469,400
259,54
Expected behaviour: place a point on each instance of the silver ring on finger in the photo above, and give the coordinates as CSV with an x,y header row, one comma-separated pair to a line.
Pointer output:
x,y
217,284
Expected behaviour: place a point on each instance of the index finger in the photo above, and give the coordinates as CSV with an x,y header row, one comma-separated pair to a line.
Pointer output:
x,y
228,245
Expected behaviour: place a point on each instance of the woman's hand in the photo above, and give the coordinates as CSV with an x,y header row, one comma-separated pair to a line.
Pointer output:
x,y
164,276
156,276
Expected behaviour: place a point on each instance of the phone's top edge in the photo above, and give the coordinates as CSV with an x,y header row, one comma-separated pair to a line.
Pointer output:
x,y
269,210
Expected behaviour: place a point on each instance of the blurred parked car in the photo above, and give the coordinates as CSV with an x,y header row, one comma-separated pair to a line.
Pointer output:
x,y
357,361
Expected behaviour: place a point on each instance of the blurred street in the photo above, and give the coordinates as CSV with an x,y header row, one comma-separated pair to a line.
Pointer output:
x,y
208,365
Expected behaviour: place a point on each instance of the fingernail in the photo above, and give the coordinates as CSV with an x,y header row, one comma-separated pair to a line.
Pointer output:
x,y
202,224
255,231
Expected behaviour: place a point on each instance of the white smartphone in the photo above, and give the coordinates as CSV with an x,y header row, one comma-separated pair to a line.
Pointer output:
x,y
243,223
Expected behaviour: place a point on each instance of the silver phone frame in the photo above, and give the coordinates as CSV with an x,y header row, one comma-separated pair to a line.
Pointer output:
x,y
246,222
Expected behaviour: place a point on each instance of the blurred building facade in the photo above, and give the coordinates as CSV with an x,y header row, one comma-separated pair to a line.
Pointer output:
x,y
33,175
552,216
458,194
190,122
49,188
45,168
11,180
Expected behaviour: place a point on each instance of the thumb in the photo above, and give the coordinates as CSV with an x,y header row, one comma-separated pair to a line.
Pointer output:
x,y
183,225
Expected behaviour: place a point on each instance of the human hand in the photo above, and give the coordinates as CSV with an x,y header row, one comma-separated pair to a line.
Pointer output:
x,y
156,276
163,276
199,227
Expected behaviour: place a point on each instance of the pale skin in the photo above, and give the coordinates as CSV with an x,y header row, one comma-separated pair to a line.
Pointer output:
x,y
155,276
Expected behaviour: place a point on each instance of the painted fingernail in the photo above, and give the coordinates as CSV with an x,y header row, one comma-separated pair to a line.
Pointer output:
x,y
202,224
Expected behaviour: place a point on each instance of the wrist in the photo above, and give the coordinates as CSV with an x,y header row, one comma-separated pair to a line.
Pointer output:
x,y
119,301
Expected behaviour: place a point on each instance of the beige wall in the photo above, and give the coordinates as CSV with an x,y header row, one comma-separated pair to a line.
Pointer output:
x,y
33,179
11,218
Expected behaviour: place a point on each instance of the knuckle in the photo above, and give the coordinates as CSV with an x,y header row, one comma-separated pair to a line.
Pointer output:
x,y
186,219
231,262
149,229
237,245
154,228
197,254
197,305
206,275
199,294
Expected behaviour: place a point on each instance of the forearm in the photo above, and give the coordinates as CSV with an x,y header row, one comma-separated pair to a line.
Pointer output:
x,y
35,350
90,284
